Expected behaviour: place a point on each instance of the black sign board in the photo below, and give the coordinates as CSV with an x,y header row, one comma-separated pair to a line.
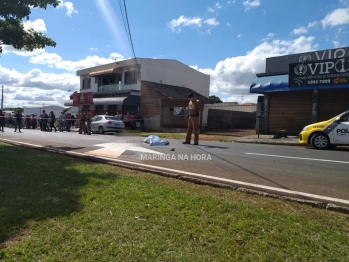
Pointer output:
x,y
319,73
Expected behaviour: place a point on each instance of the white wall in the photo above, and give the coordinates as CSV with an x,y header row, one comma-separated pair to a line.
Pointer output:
x,y
172,72
94,85
165,71
38,110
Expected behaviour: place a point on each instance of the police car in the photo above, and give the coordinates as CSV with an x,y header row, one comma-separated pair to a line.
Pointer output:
x,y
327,134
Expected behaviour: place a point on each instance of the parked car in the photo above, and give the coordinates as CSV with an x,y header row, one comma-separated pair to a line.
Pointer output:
x,y
326,134
106,123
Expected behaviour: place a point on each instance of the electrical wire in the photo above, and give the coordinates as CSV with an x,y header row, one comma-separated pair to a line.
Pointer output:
x,y
122,5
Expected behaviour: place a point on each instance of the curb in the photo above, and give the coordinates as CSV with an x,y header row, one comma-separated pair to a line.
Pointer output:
x,y
133,166
257,141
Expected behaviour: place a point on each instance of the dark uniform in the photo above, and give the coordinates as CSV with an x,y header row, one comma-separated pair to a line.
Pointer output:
x,y
194,107
18,121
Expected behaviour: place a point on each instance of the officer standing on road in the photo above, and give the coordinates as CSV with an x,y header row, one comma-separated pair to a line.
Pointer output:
x,y
88,120
194,107
18,121
44,121
82,122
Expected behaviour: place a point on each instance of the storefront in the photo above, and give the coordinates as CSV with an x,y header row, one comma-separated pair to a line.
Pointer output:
x,y
301,89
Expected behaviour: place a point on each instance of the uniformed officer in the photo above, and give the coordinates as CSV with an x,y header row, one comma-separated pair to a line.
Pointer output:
x,y
18,121
82,122
88,120
194,107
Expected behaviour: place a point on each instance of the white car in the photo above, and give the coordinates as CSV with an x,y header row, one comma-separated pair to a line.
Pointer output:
x,y
106,123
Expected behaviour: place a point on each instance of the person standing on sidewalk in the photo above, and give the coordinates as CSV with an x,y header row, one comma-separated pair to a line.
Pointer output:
x,y
194,107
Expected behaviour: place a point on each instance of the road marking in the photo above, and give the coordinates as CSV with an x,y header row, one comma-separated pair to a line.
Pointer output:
x,y
218,179
117,149
301,158
256,186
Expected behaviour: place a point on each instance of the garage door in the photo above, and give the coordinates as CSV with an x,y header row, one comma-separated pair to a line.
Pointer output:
x,y
332,102
289,111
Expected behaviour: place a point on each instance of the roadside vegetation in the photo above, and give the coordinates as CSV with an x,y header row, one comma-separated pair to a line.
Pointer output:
x,y
56,208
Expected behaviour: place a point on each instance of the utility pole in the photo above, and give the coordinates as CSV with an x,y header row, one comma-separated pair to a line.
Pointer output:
x,y
2,98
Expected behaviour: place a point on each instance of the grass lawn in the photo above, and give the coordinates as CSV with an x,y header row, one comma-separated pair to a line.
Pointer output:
x,y
55,208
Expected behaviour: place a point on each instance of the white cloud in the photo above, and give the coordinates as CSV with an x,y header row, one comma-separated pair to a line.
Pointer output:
x,y
337,17
336,44
45,59
215,8
251,3
69,6
211,23
194,22
8,49
183,21
300,30
312,24
37,25
233,76
33,85
228,24
239,35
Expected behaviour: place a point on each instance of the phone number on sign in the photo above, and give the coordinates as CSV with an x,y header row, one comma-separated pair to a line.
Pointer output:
x,y
322,81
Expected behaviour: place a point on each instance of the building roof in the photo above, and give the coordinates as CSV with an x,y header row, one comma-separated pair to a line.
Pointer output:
x,y
177,92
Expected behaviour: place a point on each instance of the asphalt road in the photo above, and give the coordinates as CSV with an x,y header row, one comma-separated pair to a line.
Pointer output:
x,y
293,171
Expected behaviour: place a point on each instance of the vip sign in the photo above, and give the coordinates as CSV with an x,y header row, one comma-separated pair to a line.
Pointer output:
x,y
319,73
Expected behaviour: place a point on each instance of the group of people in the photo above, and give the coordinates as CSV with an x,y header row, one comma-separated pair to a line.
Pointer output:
x,y
46,122
16,121
66,121
132,121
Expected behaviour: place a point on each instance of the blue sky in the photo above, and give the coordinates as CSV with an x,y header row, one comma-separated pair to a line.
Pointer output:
x,y
229,40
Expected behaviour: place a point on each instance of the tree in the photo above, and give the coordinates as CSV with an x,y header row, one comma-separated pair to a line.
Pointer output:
x,y
12,30
215,99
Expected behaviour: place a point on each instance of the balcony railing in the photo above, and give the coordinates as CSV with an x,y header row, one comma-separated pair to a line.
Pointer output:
x,y
113,87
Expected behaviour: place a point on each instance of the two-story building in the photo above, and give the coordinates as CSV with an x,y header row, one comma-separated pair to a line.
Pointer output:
x,y
154,87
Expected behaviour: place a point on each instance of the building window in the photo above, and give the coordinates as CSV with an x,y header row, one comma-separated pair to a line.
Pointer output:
x,y
86,83
131,77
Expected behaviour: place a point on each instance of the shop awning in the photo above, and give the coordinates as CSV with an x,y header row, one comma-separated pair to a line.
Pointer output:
x,y
130,100
109,101
68,102
104,72
266,84
279,83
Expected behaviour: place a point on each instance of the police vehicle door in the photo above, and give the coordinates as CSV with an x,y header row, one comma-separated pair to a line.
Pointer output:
x,y
341,131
